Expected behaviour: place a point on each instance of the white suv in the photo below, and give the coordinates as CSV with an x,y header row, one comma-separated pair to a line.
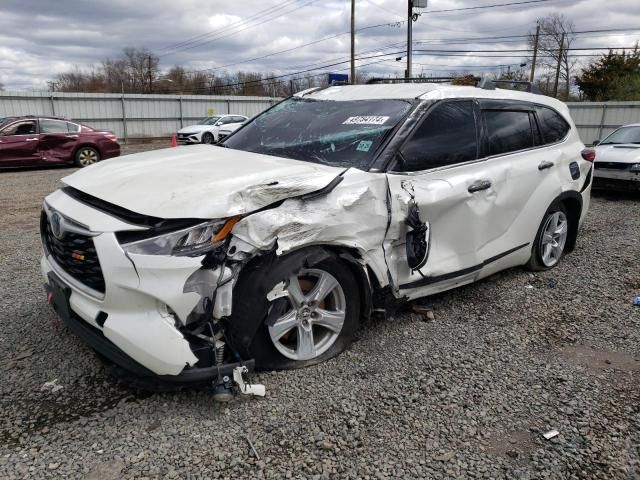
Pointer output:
x,y
207,130
270,249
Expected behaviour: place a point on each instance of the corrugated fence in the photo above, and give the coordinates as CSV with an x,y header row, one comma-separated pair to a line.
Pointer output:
x,y
134,116
130,115
596,120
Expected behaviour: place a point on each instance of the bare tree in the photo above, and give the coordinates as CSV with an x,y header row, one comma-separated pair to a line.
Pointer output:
x,y
551,47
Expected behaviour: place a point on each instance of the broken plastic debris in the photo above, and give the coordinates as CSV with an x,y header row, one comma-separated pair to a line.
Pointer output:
x,y
550,434
52,386
528,286
247,388
278,291
636,301
426,312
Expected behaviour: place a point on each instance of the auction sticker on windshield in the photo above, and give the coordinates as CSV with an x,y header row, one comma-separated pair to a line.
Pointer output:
x,y
368,120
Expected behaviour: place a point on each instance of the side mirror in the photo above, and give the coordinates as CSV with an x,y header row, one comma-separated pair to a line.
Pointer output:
x,y
596,142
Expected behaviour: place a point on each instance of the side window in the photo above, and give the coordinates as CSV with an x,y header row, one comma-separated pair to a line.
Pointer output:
x,y
508,130
27,127
446,137
554,127
226,120
72,127
53,126
239,119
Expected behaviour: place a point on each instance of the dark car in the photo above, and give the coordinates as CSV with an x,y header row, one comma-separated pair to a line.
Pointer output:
x,y
34,141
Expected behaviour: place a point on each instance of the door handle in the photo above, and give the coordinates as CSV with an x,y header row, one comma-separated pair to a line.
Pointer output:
x,y
31,139
71,136
544,165
479,185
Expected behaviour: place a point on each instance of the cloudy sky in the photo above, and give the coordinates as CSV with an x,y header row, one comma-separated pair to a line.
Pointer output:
x,y
39,38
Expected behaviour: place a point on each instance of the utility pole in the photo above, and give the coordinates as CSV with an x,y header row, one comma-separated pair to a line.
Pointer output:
x,y
408,73
560,53
150,78
353,42
535,54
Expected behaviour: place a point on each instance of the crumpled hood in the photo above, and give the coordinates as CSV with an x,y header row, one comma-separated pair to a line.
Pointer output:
x,y
197,128
626,153
199,181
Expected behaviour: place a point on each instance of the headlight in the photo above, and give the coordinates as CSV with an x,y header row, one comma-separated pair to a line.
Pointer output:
x,y
192,241
635,167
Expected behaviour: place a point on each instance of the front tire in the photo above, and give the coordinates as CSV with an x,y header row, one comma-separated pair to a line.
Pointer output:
x,y
86,156
551,239
208,138
313,316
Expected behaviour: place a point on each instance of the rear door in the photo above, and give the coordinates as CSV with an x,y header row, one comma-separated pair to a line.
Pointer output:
x,y
57,142
19,144
534,168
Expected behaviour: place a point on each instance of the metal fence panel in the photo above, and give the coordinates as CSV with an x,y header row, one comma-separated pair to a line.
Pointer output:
x,y
596,120
130,115
134,115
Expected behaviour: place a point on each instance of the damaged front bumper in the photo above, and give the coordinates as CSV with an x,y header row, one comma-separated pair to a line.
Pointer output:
x,y
143,313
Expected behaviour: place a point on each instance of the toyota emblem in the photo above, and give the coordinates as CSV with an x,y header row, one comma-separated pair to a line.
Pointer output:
x,y
56,226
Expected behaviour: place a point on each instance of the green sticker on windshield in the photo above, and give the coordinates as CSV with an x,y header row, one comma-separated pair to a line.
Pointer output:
x,y
364,145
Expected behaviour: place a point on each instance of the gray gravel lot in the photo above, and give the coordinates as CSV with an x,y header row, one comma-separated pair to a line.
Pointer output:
x,y
466,395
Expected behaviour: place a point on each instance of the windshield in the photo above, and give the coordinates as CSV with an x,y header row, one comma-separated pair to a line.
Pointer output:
x,y
623,135
337,133
209,120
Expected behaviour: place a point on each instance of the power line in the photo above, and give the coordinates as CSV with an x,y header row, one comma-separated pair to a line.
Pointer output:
x,y
481,7
237,23
240,28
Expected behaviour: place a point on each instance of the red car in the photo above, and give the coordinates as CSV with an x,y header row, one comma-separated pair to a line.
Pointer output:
x,y
34,141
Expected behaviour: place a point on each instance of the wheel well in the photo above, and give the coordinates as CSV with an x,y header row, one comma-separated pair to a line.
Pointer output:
x,y
573,204
367,282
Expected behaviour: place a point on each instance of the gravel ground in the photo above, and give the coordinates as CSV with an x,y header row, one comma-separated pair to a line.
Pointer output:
x,y
466,395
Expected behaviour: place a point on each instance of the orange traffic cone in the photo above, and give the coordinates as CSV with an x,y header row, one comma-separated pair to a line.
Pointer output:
x,y
174,140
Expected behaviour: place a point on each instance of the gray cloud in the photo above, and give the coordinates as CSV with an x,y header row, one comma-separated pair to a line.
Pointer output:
x,y
40,38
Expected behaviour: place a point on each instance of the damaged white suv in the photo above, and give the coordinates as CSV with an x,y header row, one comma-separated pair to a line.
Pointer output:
x,y
178,265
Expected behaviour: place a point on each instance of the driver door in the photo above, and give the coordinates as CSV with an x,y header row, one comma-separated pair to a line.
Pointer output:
x,y
19,144
440,170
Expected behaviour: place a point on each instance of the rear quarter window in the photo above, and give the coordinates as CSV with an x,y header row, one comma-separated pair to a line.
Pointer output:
x,y
553,126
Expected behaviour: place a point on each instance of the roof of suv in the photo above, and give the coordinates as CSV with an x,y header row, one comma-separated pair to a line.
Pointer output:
x,y
425,91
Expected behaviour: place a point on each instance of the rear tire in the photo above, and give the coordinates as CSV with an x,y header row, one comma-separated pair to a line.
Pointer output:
x,y
551,239
86,156
208,138
313,320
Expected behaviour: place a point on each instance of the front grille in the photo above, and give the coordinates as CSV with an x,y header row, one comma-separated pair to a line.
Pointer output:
x,y
75,254
612,165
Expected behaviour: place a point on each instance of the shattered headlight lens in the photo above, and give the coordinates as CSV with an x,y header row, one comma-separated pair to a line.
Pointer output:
x,y
191,242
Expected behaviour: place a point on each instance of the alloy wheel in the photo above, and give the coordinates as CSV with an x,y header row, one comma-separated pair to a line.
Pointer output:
x,y
315,317
554,237
87,157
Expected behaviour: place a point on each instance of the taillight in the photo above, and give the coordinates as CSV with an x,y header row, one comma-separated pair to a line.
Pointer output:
x,y
589,154
111,136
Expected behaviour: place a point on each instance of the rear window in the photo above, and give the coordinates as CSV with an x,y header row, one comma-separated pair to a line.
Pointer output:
x,y
337,133
554,127
508,131
53,126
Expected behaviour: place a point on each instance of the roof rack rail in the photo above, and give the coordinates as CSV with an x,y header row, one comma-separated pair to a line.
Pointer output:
x,y
488,84
411,80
